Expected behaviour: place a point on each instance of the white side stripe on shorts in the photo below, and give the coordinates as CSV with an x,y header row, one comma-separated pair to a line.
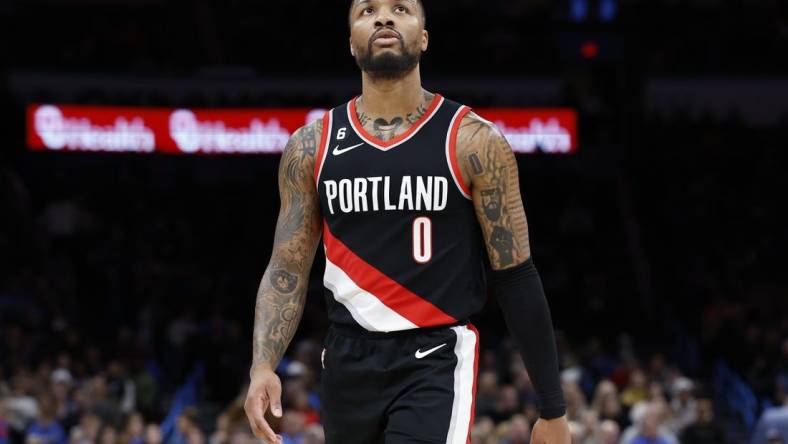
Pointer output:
x,y
464,375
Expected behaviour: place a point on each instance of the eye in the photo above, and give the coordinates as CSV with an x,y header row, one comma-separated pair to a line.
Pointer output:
x,y
400,8
367,11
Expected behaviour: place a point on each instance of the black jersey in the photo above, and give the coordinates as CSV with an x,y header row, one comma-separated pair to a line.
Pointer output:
x,y
403,247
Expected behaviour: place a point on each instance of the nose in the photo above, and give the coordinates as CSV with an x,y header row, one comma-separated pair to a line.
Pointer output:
x,y
384,19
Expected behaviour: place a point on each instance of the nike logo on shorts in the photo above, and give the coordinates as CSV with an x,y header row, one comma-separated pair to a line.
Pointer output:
x,y
420,354
338,151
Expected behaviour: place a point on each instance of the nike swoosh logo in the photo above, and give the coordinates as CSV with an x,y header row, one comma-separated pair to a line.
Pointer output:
x,y
420,354
338,151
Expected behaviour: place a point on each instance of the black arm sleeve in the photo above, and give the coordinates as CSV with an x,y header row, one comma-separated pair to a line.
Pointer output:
x,y
521,297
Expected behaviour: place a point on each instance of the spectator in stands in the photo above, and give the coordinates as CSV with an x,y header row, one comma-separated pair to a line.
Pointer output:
x,y
486,393
649,430
108,434
222,433
67,410
314,435
683,404
577,431
21,405
3,422
240,436
97,399
647,425
134,431
773,436
705,429
87,431
299,402
153,434
519,431
508,403
637,390
609,432
575,401
773,422
45,429
482,430
195,436
186,430
292,427
607,404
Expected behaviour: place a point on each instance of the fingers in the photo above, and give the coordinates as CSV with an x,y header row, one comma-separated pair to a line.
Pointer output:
x,y
255,410
274,391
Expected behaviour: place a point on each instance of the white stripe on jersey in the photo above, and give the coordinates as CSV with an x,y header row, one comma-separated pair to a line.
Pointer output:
x,y
366,309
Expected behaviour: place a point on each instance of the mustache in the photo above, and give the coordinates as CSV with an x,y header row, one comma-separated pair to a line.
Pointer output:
x,y
377,33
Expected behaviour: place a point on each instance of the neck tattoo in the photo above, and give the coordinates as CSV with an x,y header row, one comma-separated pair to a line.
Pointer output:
x,y
385,130
388,129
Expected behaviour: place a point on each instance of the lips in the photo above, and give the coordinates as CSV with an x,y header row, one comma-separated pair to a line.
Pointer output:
x,y
386,34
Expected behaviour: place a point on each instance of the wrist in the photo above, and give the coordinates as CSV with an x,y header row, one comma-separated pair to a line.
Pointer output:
x,y
260,367
552,413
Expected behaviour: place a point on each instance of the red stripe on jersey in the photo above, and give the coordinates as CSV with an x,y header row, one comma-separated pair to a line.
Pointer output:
x,y
321,149
475,377
436,100
455,166
409,305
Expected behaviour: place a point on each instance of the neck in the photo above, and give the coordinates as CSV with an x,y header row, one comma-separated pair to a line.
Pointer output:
x,y
391,97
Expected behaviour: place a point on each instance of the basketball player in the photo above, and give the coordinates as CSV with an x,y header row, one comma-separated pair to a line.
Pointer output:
x,y
410,192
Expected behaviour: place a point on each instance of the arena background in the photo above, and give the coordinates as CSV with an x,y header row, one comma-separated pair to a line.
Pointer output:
x,y
127,280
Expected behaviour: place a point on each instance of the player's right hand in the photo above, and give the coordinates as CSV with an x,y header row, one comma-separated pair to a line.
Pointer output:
x,y
265,390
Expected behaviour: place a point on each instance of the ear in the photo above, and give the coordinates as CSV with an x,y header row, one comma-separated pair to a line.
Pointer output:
x,y
352,51
425,40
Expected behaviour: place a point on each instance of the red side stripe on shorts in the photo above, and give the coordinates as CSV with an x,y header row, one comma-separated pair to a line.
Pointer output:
x,y
409,305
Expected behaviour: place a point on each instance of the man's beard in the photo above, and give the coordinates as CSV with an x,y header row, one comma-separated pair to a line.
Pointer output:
x,y
388,66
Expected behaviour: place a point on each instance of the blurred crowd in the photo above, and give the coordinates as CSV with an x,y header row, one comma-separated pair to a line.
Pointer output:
x,y
80,394
84,395
109,304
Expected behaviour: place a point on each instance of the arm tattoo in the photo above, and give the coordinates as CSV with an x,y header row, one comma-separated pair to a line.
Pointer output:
x,y
485,154
282,292
283,282
491,202
501,240
476,164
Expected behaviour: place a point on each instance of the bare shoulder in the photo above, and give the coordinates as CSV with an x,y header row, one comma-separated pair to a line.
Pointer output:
x,y
298,158
479,144
303,144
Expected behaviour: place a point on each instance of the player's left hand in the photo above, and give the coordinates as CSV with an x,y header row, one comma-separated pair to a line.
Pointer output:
x,y
551,431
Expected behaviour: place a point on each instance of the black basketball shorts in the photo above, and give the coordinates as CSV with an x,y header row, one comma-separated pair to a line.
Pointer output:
x,y
407,387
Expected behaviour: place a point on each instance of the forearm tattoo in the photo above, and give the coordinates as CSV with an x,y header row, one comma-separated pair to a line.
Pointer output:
x,y
492,171
282,291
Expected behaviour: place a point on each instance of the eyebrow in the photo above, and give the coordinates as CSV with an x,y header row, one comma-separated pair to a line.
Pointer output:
x,y
359,2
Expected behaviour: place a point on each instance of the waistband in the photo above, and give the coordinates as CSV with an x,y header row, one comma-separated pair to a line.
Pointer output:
x,y
360,332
